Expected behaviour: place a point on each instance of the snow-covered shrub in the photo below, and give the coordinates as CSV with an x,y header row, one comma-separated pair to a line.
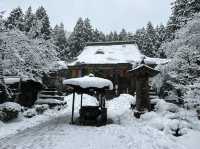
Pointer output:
x,y
9,111
163,106
41,108
177,128
30,113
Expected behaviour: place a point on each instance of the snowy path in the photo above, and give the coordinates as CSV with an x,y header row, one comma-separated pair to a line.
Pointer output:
x,y
57,133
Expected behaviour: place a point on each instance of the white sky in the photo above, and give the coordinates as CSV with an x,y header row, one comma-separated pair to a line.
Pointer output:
x,y
106,15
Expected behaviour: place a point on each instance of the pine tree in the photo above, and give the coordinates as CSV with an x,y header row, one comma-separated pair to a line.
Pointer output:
x,y
115,36
88,31
2,26
182,12
96,35
140,38
28,20
45,29
161,38
110,37
15,19
151,42
59,39
123,35
102,37
77,39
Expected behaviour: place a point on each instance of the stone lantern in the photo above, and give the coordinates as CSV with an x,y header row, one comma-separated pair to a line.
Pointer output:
x,y
142,73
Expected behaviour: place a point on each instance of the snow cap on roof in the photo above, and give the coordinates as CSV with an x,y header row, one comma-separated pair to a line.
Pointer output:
x,y
89,81
113,53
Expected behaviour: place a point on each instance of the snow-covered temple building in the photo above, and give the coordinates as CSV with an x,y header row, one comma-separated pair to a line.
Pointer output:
x,y
111,60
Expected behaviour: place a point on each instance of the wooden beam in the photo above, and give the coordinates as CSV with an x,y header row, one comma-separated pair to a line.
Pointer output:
x,y
72,120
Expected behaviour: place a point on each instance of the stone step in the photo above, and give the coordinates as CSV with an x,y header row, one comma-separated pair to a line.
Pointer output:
x,y
49,92
52,97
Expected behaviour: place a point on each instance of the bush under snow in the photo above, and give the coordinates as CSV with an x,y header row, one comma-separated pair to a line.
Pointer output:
x,y
9,111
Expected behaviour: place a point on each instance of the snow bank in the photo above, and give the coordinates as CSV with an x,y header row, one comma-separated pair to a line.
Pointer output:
x,y
11,106
120,105
89,82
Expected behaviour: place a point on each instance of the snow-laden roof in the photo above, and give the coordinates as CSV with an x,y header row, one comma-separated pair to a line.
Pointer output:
x,y
113,54
16,79
89,82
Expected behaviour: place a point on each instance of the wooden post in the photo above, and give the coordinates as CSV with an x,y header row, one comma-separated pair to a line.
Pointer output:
x,y
72,120
81,100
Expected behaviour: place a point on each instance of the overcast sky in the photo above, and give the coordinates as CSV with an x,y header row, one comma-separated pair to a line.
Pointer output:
x,y
106,15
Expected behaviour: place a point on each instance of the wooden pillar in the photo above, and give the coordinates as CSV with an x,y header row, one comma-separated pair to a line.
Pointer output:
x,y
81,100
142,93
72,120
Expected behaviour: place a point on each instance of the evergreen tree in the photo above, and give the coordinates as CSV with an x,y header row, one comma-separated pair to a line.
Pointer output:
x,y
140,38
77,39
102,37
28,20
123,35
88,31
115,36
15,19
59,39
96,35
1,23
110,37
151,43
45,28
182,12
161,38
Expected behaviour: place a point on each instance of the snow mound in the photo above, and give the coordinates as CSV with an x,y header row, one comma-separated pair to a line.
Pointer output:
x,y
11,106
163,106
120,105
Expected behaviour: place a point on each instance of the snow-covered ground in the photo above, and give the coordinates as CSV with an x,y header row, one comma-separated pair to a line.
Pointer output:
x,y
53,131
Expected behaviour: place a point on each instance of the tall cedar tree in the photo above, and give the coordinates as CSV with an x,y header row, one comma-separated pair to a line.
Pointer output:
x,y
77,39
60,40
45,29
28,20
182,12
123,35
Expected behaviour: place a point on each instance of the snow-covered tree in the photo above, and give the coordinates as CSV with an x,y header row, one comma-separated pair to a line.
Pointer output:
x,y
77,39
28,20
15,19
123,35
182,11
88,30
110,37
116,36
60,40
184,52
43,20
